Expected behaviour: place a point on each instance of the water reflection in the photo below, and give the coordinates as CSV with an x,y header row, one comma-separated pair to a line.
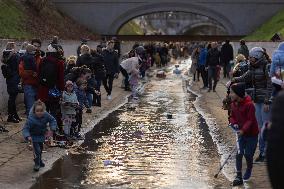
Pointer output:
x,y
139,147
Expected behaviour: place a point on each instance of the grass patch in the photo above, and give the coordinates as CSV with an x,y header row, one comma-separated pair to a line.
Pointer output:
x,y
269,28
130,28
12,20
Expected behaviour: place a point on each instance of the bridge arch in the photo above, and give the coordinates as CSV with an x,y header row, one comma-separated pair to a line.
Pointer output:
x,y
166,7
202,24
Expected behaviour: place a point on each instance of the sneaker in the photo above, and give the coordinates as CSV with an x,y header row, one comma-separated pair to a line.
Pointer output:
x,y
209,90
238,181
17,117
36,168
109,97
42,164
260,159
247,175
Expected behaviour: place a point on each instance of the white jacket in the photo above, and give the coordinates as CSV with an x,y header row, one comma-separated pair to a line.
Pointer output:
x,y
130,64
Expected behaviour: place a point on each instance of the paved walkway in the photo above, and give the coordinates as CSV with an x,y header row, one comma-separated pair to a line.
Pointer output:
x,y
212,104
16,161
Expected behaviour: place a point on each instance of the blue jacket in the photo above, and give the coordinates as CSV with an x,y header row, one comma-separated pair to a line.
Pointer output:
x,y
82,97
277,59
202,57
36,127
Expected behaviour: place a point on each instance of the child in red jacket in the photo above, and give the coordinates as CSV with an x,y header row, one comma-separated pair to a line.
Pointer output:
x,y
243,120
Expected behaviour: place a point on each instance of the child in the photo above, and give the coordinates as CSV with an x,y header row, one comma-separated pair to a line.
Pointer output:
x,y
69,103
35,129
243,120
80,89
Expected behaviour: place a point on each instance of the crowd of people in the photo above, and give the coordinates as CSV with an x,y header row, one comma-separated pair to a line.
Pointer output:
x,y
254,83
57,90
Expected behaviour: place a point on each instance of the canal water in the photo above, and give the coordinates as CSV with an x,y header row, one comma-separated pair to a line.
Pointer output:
x,y
138,146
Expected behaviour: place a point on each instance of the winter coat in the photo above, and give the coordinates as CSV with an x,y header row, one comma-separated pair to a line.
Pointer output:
x,y
277,60
69,98
243,114
13,66
87,60
82,97
130,64
43,90
258,77
111,61
213,57
202,57
244,51
99,67
227,53
27,70
36,127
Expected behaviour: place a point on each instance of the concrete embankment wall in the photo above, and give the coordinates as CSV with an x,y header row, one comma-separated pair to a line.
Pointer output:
x,y
70,48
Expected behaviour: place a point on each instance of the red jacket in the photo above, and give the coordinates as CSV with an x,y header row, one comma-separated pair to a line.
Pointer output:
x,y
43,90
243,114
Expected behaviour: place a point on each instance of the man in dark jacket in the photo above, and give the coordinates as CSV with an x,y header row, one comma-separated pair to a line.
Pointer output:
x,y
258,77
227,54
243,49
112,67
212,65
11,62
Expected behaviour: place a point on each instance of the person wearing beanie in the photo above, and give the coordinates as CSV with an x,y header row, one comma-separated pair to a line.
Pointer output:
x,y
244,123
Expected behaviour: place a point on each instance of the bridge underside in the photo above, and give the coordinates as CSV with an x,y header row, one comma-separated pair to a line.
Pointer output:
x,y
239,17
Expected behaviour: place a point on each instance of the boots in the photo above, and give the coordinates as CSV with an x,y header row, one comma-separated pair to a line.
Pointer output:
x,y
16,116
12,119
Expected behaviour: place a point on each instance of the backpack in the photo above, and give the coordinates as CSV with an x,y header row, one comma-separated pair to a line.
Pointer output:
x,y
48,73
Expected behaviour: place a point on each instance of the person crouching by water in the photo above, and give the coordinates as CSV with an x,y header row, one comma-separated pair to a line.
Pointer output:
x,y
35,128
243,121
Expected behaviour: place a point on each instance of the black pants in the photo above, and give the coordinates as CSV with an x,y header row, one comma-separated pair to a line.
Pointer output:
x,y
108,82
126,77
226,70
97,98
204,76
53,107
12,110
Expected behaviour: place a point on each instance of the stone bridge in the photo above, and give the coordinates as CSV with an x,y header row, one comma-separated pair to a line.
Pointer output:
x,y
239,17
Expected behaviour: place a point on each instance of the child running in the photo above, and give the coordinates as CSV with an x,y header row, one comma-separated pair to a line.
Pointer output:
x,y
244,122
69,103
35,129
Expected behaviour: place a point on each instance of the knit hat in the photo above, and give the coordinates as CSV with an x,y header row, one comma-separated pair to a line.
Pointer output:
x,y
239,89
68,83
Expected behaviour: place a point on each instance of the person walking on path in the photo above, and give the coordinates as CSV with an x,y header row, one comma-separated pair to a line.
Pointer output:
x,y
10,72
244,122
28,70
227,55
201,66
194,65
243,49
212,65
35,128
258,77
112,67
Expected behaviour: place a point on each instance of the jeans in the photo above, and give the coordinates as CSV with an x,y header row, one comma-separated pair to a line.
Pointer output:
x,y
30,94
90,98
37,147
126,77
262,119
246,147
12,110
212,74
107,82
